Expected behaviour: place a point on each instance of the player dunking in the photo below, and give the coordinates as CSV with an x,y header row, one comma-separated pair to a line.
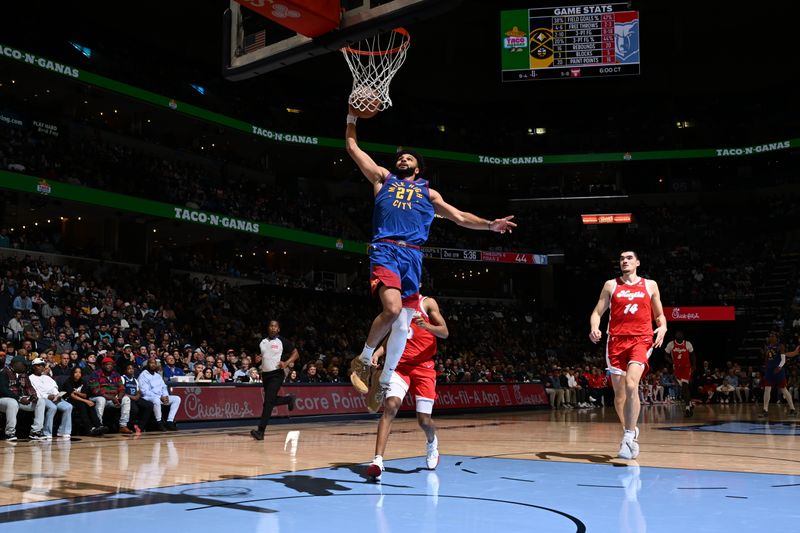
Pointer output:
x,y
634,302
774,373
415,373
681,352
404,209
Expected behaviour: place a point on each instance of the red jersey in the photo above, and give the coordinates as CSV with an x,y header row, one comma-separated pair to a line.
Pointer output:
x,y
631,313
421,343
680,356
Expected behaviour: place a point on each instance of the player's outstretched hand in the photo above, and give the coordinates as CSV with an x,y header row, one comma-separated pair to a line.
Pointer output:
x,y
595,336
660,332
502,225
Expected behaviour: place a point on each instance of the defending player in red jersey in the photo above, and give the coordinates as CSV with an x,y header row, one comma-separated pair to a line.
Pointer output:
x,y
681,352
415,373
634,303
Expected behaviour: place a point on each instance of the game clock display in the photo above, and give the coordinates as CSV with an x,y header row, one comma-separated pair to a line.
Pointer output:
x,y
569,42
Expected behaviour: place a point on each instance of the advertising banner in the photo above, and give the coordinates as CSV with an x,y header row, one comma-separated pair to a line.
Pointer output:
x,y
700,314
205,403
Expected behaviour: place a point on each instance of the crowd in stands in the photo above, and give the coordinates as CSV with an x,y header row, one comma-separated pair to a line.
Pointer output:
x,y
93,161
690,272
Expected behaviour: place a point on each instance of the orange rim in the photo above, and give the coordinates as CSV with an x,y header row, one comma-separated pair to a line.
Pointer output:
x,y
396,49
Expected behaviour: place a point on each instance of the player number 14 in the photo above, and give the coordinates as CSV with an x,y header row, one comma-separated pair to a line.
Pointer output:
x,y
631,309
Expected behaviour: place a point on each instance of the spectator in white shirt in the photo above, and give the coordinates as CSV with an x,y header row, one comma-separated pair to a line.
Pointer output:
x,y
15,325
155,391
47,390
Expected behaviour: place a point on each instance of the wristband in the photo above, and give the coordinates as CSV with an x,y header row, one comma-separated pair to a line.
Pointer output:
x,y
351,119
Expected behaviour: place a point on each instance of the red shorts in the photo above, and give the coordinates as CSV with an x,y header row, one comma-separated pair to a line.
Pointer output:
x,y
621,350
419,380
683,373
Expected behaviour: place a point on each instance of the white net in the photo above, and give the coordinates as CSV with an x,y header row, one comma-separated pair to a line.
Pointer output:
x,y
374,62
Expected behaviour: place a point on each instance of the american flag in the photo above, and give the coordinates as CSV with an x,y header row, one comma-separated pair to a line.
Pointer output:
x,y
254,41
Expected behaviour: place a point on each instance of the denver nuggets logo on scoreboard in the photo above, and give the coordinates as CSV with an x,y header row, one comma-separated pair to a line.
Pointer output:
x,y
541,47
592,40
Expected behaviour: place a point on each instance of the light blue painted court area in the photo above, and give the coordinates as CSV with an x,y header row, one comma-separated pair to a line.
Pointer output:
x,y
745,427
464,494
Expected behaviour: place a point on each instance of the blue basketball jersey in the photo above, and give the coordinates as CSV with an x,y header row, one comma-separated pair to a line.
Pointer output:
x,y
772,356
403,211
131,385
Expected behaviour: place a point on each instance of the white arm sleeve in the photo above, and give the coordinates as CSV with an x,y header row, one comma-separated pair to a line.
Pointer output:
x,y
689,347
783,360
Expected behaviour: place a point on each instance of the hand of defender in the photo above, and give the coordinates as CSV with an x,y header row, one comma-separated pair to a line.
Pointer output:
x,y
502,225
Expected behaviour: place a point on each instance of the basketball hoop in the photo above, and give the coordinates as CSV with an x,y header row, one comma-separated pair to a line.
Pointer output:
x,y
374,62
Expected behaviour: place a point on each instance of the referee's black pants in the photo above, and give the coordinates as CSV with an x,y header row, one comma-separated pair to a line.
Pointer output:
x,y
272,383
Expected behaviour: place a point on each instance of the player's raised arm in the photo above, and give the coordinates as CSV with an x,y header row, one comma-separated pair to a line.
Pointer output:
x,y
468,220
658,314
371,170
602,305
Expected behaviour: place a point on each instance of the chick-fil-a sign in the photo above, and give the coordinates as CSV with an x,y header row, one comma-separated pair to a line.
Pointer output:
x,y
700,314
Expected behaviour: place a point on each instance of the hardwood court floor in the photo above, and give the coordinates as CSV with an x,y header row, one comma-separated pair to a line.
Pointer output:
x,y
41,471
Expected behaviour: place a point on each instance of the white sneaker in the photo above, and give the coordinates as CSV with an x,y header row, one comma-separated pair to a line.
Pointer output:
x,y
628,449
432,456
375,468
634,449
65,437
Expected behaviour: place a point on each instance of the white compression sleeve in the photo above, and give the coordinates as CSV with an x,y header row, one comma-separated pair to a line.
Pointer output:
x,y
396,344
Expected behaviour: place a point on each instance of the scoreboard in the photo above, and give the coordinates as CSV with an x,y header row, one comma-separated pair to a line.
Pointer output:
x,y
569,42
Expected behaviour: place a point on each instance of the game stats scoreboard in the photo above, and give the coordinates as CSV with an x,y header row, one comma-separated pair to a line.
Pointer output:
x,y
569,42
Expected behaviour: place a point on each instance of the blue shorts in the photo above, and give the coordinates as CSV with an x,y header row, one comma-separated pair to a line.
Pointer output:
x,y
771,379
395,266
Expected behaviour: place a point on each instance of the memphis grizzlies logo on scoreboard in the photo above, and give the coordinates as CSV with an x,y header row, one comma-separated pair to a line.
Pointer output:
x,y
626,37
582,41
